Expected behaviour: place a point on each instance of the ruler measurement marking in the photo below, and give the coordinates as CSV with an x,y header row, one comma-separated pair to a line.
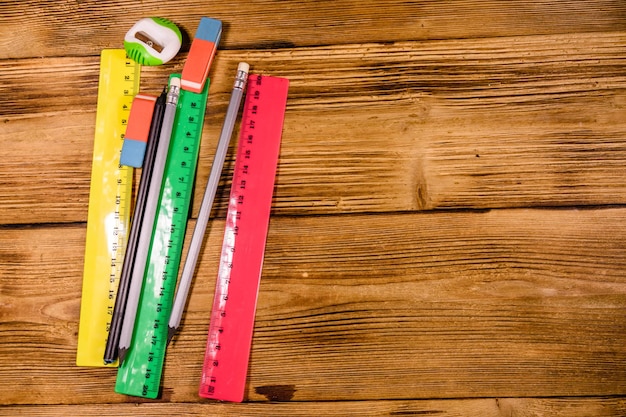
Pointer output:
x,y
109,203
140,374
230,330
122,196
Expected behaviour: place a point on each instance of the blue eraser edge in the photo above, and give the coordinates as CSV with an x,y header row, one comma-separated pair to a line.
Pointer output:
x,y
133,152
209,29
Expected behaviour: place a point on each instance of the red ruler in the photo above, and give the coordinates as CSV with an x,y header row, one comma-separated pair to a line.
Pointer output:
x,y
234,305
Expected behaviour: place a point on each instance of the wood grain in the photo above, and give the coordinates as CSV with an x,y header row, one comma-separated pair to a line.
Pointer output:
x,y
500,407
447,234
409,126
42,28
446,305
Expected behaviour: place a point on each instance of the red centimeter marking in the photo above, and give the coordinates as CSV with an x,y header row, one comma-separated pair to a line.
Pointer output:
x,y
234,305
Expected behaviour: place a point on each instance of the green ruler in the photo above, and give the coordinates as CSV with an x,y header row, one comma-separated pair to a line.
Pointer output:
x,y
140,374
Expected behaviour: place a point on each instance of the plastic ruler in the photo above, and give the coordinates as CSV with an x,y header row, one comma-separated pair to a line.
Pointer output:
x,y
110,202
140,374
234,305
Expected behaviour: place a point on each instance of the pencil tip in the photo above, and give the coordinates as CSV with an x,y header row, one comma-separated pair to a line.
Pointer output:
x,y
121,354
110,355
171,331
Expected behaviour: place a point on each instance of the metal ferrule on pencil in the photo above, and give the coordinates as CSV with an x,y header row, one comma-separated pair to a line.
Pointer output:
x,y
240,79
172,94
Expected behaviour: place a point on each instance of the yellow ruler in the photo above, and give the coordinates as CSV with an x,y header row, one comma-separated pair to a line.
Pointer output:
x,y
110,200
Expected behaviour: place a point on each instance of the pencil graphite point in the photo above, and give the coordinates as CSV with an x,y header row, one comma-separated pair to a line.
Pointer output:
x,y
171,331
121,355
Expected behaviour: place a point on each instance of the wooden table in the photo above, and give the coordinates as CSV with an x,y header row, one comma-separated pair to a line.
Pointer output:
x,y
448,229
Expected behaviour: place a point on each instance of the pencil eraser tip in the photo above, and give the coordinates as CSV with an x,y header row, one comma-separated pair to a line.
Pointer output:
x,y
175,82
243,66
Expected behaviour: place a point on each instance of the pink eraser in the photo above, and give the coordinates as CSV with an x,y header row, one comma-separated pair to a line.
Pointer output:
x,y
137,130
201,53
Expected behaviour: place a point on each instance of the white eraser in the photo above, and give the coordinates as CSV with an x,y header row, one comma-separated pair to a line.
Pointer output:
x,y
243,67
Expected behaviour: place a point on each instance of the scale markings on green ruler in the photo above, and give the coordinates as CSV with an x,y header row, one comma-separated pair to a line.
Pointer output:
x,y
140,374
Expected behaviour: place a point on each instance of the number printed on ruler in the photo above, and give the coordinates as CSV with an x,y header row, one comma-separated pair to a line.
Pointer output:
x,y
234,304
123,198
140,374
109,205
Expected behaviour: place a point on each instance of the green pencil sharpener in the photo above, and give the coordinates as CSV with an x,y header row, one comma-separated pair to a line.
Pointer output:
x,y
153,41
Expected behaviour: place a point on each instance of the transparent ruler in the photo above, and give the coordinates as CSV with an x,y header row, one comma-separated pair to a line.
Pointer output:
x,y
140,374
229,340
110,202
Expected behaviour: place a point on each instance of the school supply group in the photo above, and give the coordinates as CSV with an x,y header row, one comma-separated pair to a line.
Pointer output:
x,y
128,309
139,373
111,350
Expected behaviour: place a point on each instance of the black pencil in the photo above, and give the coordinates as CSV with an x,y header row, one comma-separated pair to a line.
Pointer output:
x,y
111,351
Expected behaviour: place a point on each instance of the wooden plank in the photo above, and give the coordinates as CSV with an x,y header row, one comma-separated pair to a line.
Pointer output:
x,y
395,107
45,29
528,407
511,122
503,303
